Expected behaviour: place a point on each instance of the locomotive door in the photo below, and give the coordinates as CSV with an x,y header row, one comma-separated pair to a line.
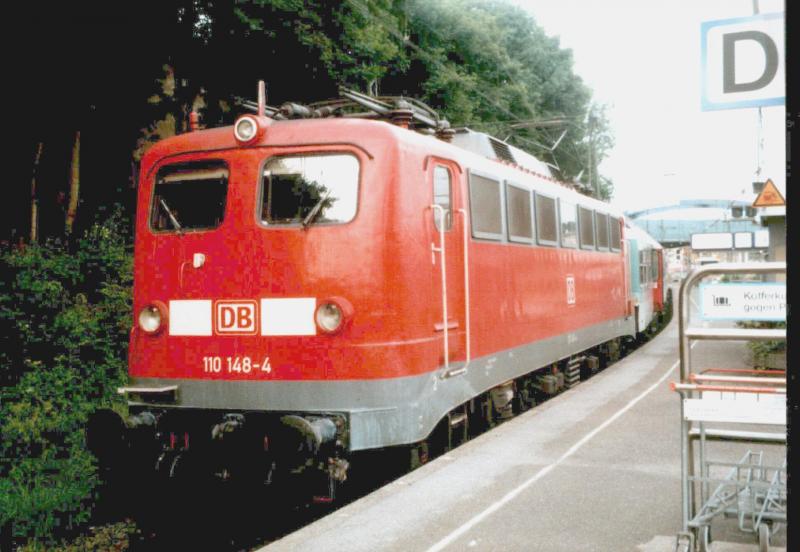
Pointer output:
x,y
446,230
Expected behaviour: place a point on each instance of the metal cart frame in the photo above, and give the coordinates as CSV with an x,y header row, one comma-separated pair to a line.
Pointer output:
x,y
753,492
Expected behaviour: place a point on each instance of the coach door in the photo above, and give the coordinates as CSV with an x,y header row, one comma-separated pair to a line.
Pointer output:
x,y
446,225
658,276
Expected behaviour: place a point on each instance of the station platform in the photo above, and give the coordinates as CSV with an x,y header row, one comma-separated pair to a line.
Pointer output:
x,y
596,468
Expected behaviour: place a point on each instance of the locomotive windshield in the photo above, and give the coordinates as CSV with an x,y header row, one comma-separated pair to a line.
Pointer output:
x,y
189,196
309,188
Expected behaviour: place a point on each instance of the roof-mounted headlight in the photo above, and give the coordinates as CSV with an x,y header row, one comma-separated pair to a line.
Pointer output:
x,y
246,129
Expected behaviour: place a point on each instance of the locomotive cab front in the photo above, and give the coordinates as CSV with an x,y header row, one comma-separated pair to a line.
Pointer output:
x,y
258,270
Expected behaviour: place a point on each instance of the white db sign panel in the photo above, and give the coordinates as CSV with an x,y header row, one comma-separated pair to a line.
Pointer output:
x,y
743,301
712,241
743,62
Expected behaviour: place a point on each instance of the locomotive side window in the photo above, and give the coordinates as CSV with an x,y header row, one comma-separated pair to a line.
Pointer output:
x,y
546,220
485,207
602,231
569,223
586,227
613,227
518,207
304,189
442,189
189,196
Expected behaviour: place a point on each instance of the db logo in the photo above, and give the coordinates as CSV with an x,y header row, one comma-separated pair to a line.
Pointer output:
x,y
570,290
236,317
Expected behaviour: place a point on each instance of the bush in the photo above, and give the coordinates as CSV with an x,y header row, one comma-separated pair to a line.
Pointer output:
x,y
761,350
65,313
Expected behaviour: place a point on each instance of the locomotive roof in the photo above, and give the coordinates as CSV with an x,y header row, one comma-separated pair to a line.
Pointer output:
x,y
331,131
489,146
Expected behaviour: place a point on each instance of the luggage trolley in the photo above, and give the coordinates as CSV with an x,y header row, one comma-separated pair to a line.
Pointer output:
x,y
750,490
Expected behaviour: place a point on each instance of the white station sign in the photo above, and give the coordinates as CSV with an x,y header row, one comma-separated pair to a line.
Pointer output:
x,y
712,240
743,240
743,301
743,62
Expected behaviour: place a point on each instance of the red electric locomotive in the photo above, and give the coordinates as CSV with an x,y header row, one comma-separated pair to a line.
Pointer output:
x,y
307,287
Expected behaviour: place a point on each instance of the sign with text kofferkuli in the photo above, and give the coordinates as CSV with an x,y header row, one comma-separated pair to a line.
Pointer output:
x,y
743,62
743,301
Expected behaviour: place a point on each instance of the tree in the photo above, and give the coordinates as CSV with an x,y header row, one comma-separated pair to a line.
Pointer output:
x,y
487,64
34,236
74,183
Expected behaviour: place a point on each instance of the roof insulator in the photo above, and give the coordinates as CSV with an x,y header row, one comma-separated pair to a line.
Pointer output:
x,y
402,114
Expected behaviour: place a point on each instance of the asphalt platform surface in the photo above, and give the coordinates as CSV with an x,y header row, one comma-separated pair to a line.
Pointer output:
x,y
596,468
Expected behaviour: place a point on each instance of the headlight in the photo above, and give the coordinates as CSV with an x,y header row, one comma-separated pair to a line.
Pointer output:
x,y
245,129
150,319
329,317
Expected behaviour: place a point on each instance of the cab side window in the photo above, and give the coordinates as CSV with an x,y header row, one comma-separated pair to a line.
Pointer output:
x,y
442,194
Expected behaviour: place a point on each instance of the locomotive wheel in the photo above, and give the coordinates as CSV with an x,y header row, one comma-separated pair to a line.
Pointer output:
x,y
419,455
457,427
615,351
524,396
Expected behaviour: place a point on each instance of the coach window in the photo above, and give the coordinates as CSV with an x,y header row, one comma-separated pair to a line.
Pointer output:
x,y
586,227
546,220
644,266
442,190
653,265
518,211
602,231
569,224
306,189
485,207
189,196
613,230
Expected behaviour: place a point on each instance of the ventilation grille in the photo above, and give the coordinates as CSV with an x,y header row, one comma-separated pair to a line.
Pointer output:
x,y
501,150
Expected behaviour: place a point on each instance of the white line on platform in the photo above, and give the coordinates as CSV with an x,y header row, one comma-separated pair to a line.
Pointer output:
x,y
547,469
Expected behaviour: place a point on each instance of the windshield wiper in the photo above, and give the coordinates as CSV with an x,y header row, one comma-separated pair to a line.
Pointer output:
x,y
172,218
316,209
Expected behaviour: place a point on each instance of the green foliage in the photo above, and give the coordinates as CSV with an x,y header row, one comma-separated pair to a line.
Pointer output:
x,y
65,314
489,65
113,536
763,350
481,63
352,50
65,308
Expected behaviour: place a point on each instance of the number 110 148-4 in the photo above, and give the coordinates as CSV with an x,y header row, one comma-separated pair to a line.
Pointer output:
x,y
234,365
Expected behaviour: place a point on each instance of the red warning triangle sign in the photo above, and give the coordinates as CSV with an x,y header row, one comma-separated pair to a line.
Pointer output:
x,y
769,196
